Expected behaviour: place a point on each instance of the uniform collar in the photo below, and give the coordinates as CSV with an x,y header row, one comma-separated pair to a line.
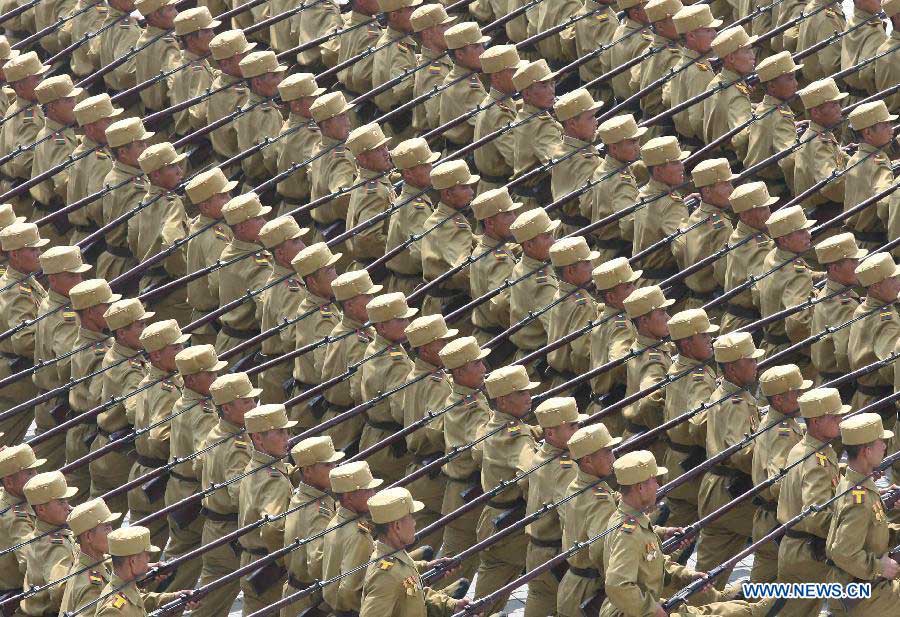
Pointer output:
x,y
857,479
247,247
638,516
127,169
461,390
91,335
351,323
228,427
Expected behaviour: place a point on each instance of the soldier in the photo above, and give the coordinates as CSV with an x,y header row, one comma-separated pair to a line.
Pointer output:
x,y
362,32
6,54
118,35
817,27
83,59
660,14
632,39
348,546
861,43
282,237
495,160
195,29
372,194
463,89
17,466
556,48
334,167
160,53
395,56
264,493
299,139
90,524
311,23
886,71
591,33
227,49
430,21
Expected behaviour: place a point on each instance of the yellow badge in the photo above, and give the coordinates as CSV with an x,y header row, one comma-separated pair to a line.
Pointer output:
x,y
858,495
823,460
119,601
384,564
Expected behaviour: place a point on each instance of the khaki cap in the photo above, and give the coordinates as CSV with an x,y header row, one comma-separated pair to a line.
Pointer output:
x,y
662,150
126,131
280,230
299,85
427,329
558,410
429,16
21,235
614,272
658,10
575,103
531,73
712,171
22,66
461,351
208,183
258,63
365,138
59,259
14,459
145,7
751,195
229,43
328,106
47,486
499,58
267,418
353,476
822,401
620,128
690,323
777,65
392,504
862,429
452,173
123,313
567,251
351,284
412,153
787,220
8,216
243,208
694,17
161,334
132,540
95,108
159,155
314,450
646,299
627,4
730,40
465,33
821,92
313,258
389,306
869,114
193,20
781,379
492,202
231,387
90,293
56,87
387,6
531,224
841,246
508,379
890,7
636,467
5,48
736,346
589,439
85,516
878,267
198,359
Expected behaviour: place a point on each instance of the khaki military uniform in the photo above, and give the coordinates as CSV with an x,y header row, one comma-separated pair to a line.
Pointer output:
x,y
192,81
253,127
333,171
241,322
311,510
371,198
84,59
789,286
86,177
831,355
334,359
686,84
426,115
280,38
445,247
530,295
86,585
538,137
299,143
871,174
591,33
576,309
579,162
818,158
615,190
487,274
458,98
872,338
113,43
727,109
654,68
59,142
611,340
279,303
323,317
311,23
817,28
224,139
247,18
887,72
161,55
397,57
405,221
47,559
740,264
23,121
642,371
116,257
16,525
658,219
202,250
558,47
858,45
700,243
348,546
123,599
496,159
628,47
774,132
357,78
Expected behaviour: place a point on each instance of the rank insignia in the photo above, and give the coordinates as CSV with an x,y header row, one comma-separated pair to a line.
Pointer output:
x,y
325,310
565,462
513,428
95,578
240,444
434,68
601,493
858,495
293,284
261,259
363,336
703,66
119,601
822,459
460,222
167,385
628,526
601,16
885,315
396,352
363,527
419,204
220,233
385,564
371,186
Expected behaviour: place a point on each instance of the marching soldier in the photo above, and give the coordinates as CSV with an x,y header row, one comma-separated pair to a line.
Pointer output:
x,y
90,524
496,159
696,26
263,120
299,139
357,78
886,71
395,56
160,54
83,59
463,88
560,47
818,27
227,49
18,465
632,39
591,33
334,167
862,43
660,14
430,22
373,193
6,54
311,23
118,35
195,29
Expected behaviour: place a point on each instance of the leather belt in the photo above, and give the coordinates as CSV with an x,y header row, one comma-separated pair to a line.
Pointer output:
x,y
741,311
506,505
475,477
802,535
871,236
585,572
241,334
493,179
659,274
296,583
403,275
611,244
218,517
879,391
439,292
575,221
149,461
726,472
390,427
683,449
258,552
706,296
118,251
768,506
777,339
546,543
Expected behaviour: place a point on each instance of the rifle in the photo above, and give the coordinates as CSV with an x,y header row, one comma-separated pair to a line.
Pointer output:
x,y
27,41
17,11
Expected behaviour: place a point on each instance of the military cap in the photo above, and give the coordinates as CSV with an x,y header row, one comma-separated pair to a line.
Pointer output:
x,y
620,128
193,20
231,387
840,246
508,379
492,202
821,92
412,153
131,540
280,230
198,359
145,7
5,48
452,173
736,346
870,114
21,235
658,10
662,150
14,459
328,106
862,429
589,439
387,6
389,306
22,66
258,63
531,73
159,155
558,410
267,418
645,300
208,183
876,268
95,108
787,220
636,467
47,486
429,16
730,40
56,87
568,251
299,85
126,131
499,58
461,351
751,195
355,283
353,476
313,450
464,33
58,259
427,329
365,138
8,216
123,313
689,323
712,171
777,65
392,504
694,17
890,7
161,334
90,293
614,272
575,103
243,208
627,4
781,379
314,257
822,401
532,223
85,516
229,43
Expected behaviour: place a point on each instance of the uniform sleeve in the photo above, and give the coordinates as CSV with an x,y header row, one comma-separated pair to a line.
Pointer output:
x,y
621,572
380,594
796,292
315,548
236,466
846,543
438,604
274,502
357,552
22,309
650,407
816,488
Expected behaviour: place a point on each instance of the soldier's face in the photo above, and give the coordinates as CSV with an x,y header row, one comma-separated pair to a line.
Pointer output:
x,y
274,442
879,134
26,259
98,537
700,40
579,273
718,194
869,6
318,475
827,114
418,176
656,323
616,296
405,528
393,330
742,372
168,176
671,173
54,511
844,271
743,61
202,39
470,56
499,224
699,346
516,404
63,110
399,20
798,241
583,126
458,196
542,94
14,482
378,159
783,86
627,150
164,17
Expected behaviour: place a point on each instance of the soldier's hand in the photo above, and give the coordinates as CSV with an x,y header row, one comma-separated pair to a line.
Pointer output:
x,y
192,604
446,565
660,611
463,604
851,149
159,575
889,567
708,586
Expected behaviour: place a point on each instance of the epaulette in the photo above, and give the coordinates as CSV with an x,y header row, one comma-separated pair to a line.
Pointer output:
x,y
363,336
857,495
460,222
293,284
743,88
646,36
325,310
373,30
541,276
703,66
419,204
601,16
56,538
396,352
364,527
25,289
20,512
799,268
786,111
95,578
59,139
119,601
784,429
654,356
101,154
435,68
134,363
220,233
169,39
239,443
437,376
698,373
338,150
371,186
274,473
736,399
565,461
471,402
167,385
28,114
513,427
821,459
601,493
628,526
620,323
500,254
578,298
386,564
403,46
261,259
138,181
207,406
831,13
324,509
474,82
886,314
100,348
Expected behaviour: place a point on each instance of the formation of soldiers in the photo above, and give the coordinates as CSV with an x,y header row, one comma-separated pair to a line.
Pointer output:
x,y
347,308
